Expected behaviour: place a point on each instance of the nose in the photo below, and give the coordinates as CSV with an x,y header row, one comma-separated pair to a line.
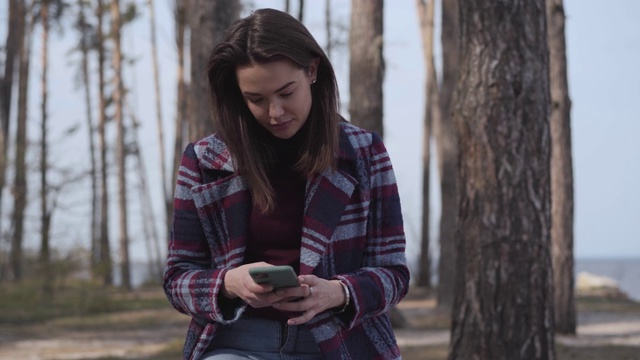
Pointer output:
x,y
275,110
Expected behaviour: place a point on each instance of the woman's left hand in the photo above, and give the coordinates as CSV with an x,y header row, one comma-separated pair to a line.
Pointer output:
x,y
319,295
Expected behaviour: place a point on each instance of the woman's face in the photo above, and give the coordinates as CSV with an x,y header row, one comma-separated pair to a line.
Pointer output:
x,y
278,94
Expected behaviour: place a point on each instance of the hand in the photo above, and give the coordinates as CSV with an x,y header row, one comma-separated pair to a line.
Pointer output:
x,y
318,295
238,283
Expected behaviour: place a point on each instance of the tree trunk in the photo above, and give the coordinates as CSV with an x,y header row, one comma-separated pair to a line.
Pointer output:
x,y
448,155
85,37
327,27
301,11
561,173
366,74
503,297
20,182
45,253
146,207
208,20
180,13
105,266
15,32
166,192
118,95
431,117
366,64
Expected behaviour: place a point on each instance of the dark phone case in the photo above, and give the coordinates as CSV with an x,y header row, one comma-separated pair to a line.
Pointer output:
x,y
277,276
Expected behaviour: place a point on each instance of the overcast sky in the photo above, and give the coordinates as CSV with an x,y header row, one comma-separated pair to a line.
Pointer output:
x,y
603,54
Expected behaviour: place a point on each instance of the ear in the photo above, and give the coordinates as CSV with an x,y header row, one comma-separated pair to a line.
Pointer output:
x,y
312,70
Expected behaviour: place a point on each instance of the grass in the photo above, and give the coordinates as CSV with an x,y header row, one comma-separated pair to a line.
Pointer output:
x,y
26,304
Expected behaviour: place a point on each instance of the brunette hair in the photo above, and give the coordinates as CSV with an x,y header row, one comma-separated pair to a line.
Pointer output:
x,y
269,35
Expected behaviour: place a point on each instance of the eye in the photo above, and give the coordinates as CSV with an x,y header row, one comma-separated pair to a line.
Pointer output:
x,y
287,94
255,101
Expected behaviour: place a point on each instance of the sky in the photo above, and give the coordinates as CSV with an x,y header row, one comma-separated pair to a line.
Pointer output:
x,y
603,50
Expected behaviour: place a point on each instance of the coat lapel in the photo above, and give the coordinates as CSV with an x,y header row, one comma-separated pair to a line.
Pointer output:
x,y
327,195
224,207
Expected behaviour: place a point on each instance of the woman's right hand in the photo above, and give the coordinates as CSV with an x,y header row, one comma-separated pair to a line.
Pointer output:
x,y
238,283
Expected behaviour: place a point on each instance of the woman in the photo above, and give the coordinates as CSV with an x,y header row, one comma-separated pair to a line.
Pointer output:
x,y
284,181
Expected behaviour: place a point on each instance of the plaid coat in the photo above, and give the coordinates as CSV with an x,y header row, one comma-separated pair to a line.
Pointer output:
x,y
352,231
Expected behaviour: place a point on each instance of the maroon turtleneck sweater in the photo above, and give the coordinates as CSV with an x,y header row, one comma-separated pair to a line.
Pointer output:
x,y
275,237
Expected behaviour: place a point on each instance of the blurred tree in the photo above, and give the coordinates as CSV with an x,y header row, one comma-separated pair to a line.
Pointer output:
x,y
366,74
118,94
503,305
431,115
45,215
86,39
447,149
366,64
327,28
166,190
15,31
561,173
180,15
207,20
27,20
105,263
50,10
301,11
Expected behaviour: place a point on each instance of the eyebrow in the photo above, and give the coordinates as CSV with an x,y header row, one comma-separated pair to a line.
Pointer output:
x,y
277,90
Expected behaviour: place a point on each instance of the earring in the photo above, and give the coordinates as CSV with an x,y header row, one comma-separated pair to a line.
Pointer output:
x,y
313,81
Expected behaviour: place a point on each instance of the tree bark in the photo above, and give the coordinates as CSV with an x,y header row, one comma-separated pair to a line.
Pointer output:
x,y
561,173
118,95
448,155
208,20
20,182
105,267
366,64
503,297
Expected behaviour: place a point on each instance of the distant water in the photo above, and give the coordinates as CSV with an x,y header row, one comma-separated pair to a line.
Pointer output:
x,y
626,271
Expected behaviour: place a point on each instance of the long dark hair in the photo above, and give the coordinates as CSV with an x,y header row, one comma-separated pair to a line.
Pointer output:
x,y
269,35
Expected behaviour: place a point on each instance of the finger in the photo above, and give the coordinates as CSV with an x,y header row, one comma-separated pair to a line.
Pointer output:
x,y
310,280
292,292
303,319
295,306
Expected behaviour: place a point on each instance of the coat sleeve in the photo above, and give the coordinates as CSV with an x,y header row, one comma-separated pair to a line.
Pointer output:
x,y
192,282
384,278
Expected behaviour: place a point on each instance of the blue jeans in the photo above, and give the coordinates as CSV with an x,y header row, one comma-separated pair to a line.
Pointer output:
x,y
260,339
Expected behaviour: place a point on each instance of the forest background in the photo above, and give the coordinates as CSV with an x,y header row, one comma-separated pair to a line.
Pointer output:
x,y
603,50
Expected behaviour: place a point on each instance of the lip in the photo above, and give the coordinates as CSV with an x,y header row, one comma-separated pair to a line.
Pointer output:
x,y
281,125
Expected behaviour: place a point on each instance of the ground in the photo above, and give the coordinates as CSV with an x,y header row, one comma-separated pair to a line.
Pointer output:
x,y
607,329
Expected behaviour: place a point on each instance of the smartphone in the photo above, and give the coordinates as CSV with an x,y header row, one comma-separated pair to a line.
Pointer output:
x,y
277,276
